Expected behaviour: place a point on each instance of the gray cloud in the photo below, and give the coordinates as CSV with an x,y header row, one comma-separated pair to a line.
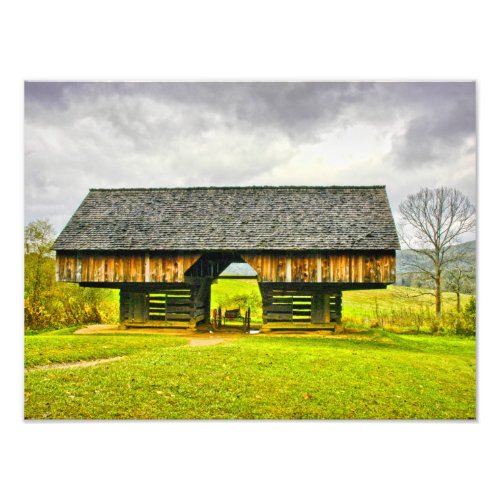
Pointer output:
x,y
444,123
82,135
299,110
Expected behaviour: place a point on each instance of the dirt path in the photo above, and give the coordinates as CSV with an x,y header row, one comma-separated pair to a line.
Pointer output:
x,y
77,364
195,339
210,341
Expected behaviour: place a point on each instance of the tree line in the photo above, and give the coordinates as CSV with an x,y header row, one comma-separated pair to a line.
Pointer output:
x,y
48,304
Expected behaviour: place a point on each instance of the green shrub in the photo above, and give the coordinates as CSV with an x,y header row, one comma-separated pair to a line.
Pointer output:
x,y
436,327
67,304
468,318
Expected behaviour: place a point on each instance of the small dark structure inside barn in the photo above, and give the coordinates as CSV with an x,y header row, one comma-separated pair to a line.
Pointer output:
x,y
163,248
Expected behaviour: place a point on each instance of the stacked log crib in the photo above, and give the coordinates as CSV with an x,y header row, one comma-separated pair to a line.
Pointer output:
x,y
303,307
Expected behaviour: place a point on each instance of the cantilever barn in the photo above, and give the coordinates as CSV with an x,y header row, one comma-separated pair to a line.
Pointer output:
x,y
162,248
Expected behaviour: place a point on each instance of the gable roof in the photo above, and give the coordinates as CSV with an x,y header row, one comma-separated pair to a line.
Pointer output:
x,y
233,218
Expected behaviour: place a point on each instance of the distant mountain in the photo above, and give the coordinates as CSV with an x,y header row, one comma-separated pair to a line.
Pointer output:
x,y
405,259
239,269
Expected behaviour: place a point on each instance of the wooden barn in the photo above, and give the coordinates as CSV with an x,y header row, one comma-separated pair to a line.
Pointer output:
x,y
163,248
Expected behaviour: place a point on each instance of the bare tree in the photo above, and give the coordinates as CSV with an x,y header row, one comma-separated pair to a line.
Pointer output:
x,y
432,222
460,279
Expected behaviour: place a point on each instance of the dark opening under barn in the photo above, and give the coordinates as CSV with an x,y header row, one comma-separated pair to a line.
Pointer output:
x,y
163,248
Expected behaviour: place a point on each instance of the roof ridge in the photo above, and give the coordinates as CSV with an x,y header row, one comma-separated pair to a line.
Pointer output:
x,y
337,186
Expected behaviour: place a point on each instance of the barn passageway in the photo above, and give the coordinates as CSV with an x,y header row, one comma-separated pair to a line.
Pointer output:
x,y
236,292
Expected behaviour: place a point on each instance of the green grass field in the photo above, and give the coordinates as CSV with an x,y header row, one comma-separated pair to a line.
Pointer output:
x,y
366,375
399,308
396,298
243,293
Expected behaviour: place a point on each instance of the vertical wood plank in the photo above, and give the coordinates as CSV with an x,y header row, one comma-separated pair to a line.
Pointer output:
x,y
142,268
288,269
126,269
78,267
313,268
325,268
146,268
167,269
161,269
281,269
102,260
305,269
92,268
175,270
181,268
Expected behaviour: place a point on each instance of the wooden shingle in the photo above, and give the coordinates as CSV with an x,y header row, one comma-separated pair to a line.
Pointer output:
x,y
232,218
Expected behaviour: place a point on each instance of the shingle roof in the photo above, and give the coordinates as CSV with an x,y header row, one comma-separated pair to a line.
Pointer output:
x,y
232,218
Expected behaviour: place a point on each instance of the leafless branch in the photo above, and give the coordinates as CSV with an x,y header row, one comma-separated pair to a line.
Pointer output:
x,y
432,222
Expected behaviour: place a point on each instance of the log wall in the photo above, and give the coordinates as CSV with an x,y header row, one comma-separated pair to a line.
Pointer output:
x,y
300,305
183,307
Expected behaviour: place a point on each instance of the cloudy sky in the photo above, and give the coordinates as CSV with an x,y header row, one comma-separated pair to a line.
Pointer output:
x,y
402,135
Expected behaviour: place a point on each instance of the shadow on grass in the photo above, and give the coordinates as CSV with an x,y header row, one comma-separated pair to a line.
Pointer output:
x,y
376,340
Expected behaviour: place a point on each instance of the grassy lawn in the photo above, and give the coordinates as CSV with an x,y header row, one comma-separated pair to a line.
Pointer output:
x,y
394,299
53,348
366,375
231,287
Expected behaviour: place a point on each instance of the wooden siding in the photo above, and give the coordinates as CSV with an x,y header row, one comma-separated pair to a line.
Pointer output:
x,y
66,267
373,267
170,268
123,268
155,267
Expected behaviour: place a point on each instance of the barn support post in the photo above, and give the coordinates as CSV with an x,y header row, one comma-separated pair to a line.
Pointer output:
x,y
124,303
133,307
267,301
201,294
320,307
336,307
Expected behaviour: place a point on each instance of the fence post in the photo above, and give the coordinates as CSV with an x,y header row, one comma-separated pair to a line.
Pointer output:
x,y
214,318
